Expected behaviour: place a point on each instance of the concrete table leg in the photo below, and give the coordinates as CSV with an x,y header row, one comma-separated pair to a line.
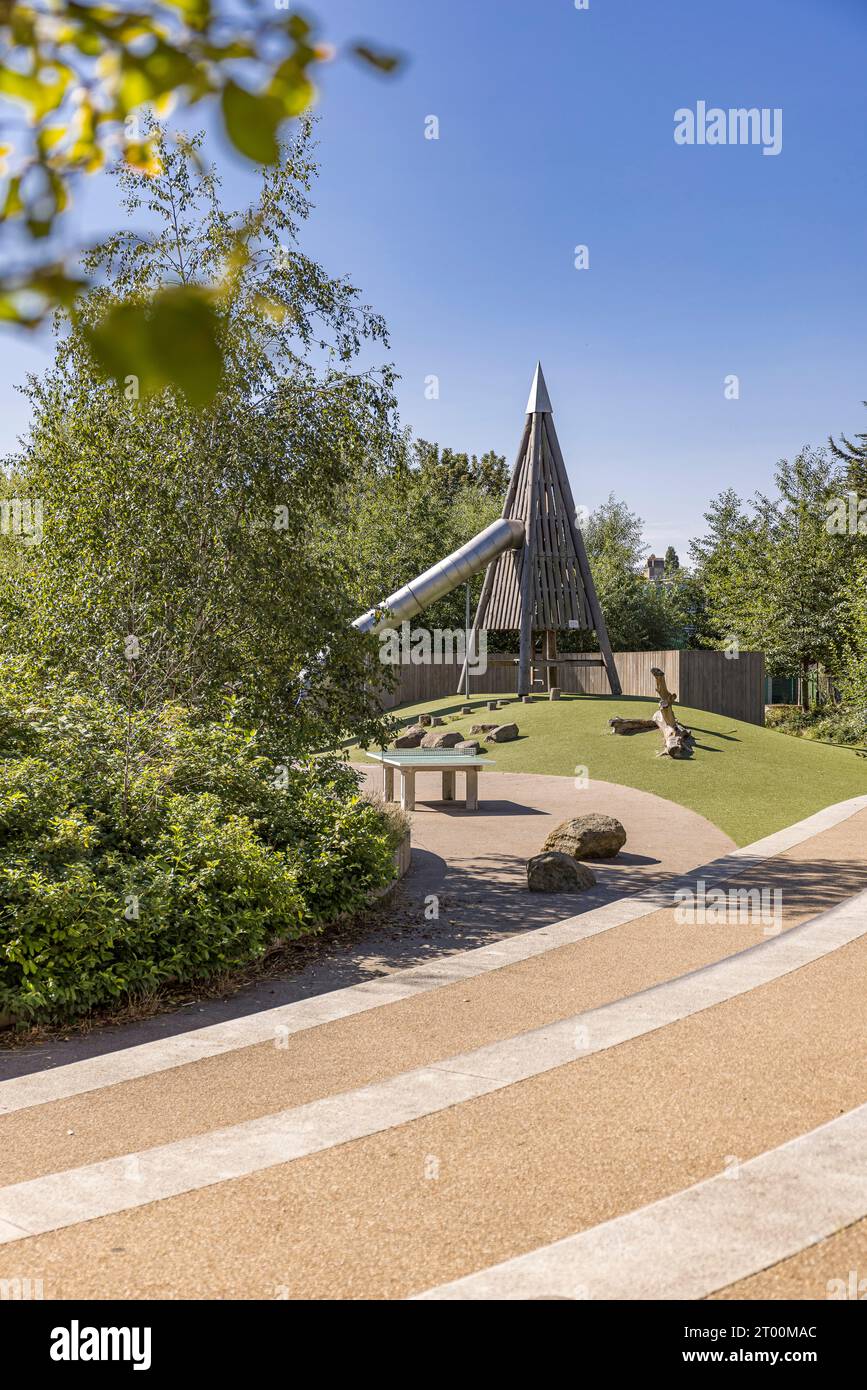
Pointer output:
x,y
388,783
472,789
448,786
407,789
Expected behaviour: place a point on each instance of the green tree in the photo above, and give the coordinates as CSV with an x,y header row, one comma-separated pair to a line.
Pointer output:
x,y
187,552
853,457
777,580
714,566
853,675
639,616
405,513
450,472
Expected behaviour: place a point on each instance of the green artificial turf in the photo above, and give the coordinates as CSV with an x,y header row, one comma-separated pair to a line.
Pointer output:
x,y
748,780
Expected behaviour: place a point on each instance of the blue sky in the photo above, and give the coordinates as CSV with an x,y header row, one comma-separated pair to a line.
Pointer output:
x,y
556,129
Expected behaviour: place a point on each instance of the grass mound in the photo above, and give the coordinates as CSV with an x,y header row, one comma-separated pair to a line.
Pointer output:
x,y
747,780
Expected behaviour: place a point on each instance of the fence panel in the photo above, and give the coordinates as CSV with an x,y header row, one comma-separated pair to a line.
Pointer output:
x,y
702,679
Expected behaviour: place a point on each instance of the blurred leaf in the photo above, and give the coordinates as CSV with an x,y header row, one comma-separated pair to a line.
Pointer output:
x,y
291,86
196,13
120,342
170,341
298,27
251,122
142,155
14,205
184,343
377,58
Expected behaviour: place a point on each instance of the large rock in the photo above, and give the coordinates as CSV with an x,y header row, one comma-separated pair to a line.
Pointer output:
x,y
419,729
482,728
467,745
446,739
504,733
409,740
588,837
553,872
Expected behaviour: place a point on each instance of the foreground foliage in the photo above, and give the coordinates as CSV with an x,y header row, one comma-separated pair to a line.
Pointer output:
x,y
134,852
84,76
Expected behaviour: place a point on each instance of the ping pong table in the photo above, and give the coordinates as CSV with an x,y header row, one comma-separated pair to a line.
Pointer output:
x,y
409,761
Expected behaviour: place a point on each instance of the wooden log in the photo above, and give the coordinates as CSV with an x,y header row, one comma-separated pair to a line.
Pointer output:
x,y
530,508
676,738
631,726
550,667
488,582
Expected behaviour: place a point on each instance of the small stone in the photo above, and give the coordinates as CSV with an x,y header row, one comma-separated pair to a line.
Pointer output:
x,y
446,739
504,733
424,719
527,699
436,720
554,692
552,872
593,836
466,709
492,704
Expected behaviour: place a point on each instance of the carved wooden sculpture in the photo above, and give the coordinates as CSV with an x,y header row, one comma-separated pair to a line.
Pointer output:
x,y
677,739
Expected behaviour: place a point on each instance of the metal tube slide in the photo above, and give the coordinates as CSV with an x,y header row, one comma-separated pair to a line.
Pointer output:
x,y
445,575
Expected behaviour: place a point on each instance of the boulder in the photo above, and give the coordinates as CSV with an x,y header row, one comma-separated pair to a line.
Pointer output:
x,y
446,739
467,745
553,872
588,837
408,741
482,728
504,733
419,729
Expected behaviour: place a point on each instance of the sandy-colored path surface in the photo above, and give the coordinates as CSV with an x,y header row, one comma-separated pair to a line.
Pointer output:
x,y
432,1199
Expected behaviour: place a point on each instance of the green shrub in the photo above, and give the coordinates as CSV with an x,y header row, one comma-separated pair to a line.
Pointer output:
x,y
135,852
845,723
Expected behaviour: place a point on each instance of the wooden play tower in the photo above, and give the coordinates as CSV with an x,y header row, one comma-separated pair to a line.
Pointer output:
x,y
544,586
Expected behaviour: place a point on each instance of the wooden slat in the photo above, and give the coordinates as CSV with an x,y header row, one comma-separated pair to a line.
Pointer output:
x,y
702,679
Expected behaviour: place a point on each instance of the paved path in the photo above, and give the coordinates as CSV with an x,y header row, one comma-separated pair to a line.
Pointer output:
x,y
474,862
503,1121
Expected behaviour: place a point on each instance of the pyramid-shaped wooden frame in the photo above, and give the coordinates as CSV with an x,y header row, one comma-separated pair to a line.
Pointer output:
x,y
545,586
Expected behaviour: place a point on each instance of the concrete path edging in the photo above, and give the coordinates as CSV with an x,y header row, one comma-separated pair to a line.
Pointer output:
x,y
700,1240
132,1180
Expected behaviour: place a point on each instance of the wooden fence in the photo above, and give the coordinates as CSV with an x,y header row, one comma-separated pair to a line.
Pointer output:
x,y
734,687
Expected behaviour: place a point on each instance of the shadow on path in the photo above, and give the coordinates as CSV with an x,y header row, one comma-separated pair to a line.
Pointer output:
x,y
472,912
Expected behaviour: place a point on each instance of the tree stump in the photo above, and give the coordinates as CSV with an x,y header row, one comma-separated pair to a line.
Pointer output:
x,y
677,739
